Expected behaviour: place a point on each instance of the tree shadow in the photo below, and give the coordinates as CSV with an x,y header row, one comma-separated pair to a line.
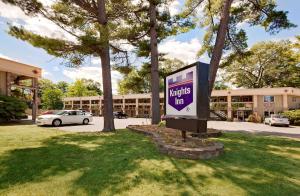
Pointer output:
x,y
112,163
258,165
104,161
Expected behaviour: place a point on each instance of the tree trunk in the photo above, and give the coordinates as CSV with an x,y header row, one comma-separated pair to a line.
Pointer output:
x,y
155,105
106,70
219,44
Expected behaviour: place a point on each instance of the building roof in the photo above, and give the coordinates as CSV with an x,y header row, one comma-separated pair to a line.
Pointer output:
x,y
15,67
232,92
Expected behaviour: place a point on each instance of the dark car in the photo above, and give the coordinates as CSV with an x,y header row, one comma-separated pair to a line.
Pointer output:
x,y
120,115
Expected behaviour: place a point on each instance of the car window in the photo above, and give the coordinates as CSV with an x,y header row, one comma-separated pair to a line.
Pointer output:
x,y
72,113
79,113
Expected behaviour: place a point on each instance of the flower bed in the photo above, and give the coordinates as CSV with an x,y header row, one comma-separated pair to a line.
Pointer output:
x,y
169,141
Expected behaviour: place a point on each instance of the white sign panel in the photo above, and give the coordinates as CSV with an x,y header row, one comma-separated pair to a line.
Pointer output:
x,y
181,93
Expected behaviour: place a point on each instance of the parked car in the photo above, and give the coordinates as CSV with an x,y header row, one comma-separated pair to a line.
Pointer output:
x,y
65,117
276,119
120,115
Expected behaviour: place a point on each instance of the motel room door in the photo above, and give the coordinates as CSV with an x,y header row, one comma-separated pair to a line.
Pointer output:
x,y
241,115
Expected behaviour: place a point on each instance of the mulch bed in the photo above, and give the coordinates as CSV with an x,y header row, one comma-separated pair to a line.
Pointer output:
x,y
174,137
170,141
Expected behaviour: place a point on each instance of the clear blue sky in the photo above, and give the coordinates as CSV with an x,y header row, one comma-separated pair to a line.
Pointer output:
x,y
186,43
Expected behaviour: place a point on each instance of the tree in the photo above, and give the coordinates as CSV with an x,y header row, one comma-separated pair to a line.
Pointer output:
x,y
152,23
45,84
52,99
95,28
63,86
93,86
266,64
222,19
219,85
155,104
80,89
138,80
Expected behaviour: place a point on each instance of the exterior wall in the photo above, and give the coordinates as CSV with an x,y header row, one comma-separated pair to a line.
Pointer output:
x,y
2,83
249,101
293,102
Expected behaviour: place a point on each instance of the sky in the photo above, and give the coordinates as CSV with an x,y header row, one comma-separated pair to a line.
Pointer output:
x,y
184,46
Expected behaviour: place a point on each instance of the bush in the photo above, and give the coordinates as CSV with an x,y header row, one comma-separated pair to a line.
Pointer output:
x,y
162,124
255,118
293,116
11,108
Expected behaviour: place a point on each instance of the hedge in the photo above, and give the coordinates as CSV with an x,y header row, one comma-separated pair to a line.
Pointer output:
x,y
293,116
11,108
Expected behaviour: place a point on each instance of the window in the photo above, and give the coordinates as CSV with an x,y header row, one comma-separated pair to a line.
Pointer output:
x,y
294,99
269,98
73,113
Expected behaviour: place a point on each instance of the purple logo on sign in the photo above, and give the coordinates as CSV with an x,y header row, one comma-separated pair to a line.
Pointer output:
x,y
181,91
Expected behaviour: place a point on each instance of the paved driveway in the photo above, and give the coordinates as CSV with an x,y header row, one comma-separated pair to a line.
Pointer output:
x,y
97,125
292,131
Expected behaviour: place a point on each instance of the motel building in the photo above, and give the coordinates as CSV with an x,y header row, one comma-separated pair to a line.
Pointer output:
x,y
19,79
235,104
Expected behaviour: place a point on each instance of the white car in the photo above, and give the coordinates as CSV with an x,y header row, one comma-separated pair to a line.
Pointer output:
x,y
276,119
65,117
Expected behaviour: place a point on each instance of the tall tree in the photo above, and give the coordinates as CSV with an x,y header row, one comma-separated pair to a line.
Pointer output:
x,y
155,104
222,19
63,86
80,88
138,80
153,23
93,86
266,64
52,99
95,28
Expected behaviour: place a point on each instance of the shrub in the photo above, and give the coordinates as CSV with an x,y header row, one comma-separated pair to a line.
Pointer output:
x,y
293,116
255,118
162,124
11,108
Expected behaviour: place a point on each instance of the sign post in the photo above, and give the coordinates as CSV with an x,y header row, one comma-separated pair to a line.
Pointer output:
x,y
187,98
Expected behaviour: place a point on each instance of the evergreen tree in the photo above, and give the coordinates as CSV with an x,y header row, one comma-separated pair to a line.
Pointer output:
x,y
96,26
222,19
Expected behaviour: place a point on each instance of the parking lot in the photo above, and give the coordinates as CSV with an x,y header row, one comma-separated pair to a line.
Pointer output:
x,y
97,125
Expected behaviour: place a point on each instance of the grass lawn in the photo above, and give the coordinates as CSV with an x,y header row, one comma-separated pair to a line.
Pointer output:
x,y
44,161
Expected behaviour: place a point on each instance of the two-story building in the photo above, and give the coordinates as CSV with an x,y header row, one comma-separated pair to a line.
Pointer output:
x,y
234,104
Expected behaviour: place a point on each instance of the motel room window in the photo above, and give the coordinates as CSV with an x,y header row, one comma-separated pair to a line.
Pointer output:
x,y
269,99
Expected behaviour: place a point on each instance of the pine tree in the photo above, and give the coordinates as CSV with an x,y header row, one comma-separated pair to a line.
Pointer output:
x,y
95,26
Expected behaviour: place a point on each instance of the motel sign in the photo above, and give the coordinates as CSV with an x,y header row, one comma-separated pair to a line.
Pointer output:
x,y
187,98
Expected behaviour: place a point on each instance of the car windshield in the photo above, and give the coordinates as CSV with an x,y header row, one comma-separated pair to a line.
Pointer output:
x,y
278,116
60,112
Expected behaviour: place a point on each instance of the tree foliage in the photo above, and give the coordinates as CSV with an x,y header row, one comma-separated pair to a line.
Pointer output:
x,y
80,88
52,99
224,21
138,80
265,64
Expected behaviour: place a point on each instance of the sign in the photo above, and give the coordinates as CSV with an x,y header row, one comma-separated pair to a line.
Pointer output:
x,y
181,93
187,98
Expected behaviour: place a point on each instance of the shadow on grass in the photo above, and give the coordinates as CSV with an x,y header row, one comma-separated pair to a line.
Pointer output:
x,y
258,165
104,159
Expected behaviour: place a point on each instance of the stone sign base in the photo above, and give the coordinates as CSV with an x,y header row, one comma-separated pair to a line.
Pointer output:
x,y
212,150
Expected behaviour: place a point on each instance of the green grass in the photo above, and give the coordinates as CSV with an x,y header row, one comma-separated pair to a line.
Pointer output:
x,y
44,161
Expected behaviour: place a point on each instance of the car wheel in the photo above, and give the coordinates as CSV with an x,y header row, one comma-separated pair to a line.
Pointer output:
x,y
270,124
56,123
85,121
